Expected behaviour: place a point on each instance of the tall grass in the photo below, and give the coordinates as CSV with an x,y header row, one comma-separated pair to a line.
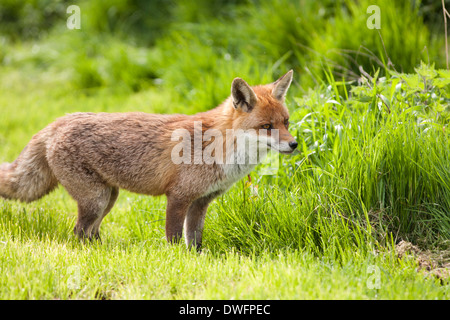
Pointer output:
x,y
182,42
379,153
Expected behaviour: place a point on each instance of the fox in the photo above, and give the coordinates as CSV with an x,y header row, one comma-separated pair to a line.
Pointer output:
x,y
94,155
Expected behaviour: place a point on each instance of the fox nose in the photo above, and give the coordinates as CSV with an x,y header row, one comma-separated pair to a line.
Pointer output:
x,y
293,144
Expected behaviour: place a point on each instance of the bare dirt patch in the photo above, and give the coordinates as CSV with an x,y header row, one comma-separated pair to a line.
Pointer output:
x,y
436,263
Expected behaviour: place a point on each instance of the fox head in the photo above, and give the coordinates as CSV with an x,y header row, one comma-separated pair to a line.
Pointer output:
x,y
260,111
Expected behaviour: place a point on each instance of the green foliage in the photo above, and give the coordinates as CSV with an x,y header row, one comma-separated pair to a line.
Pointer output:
x,y
30,19
203,35
135,20
374,154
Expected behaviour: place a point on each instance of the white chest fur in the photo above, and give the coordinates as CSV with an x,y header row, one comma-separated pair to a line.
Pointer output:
x,y
236,166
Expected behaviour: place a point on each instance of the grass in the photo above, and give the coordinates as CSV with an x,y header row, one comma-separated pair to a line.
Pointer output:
x,y
154,270
372,167
41,260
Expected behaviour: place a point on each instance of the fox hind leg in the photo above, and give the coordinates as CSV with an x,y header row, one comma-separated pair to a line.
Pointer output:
x,y
112,201
91,209
95,198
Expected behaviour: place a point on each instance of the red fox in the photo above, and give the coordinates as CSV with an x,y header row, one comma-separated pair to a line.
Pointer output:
x,y
93,155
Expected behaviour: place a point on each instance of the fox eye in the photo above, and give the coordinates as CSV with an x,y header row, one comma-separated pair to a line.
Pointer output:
x,y
267,126
286,123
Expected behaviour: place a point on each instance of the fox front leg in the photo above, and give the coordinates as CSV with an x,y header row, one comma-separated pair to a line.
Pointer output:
x,y
175,215
195,220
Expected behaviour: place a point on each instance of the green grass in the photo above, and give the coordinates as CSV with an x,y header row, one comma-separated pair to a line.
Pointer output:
x,y
40,259
372,167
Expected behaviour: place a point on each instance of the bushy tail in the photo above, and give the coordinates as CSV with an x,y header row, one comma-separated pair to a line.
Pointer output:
x,y
29,177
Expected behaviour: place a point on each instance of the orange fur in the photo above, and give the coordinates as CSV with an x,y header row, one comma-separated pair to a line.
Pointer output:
x,y
93,155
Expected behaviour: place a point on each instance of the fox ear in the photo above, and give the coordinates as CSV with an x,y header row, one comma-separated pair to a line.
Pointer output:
x,y
281,86
243,96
